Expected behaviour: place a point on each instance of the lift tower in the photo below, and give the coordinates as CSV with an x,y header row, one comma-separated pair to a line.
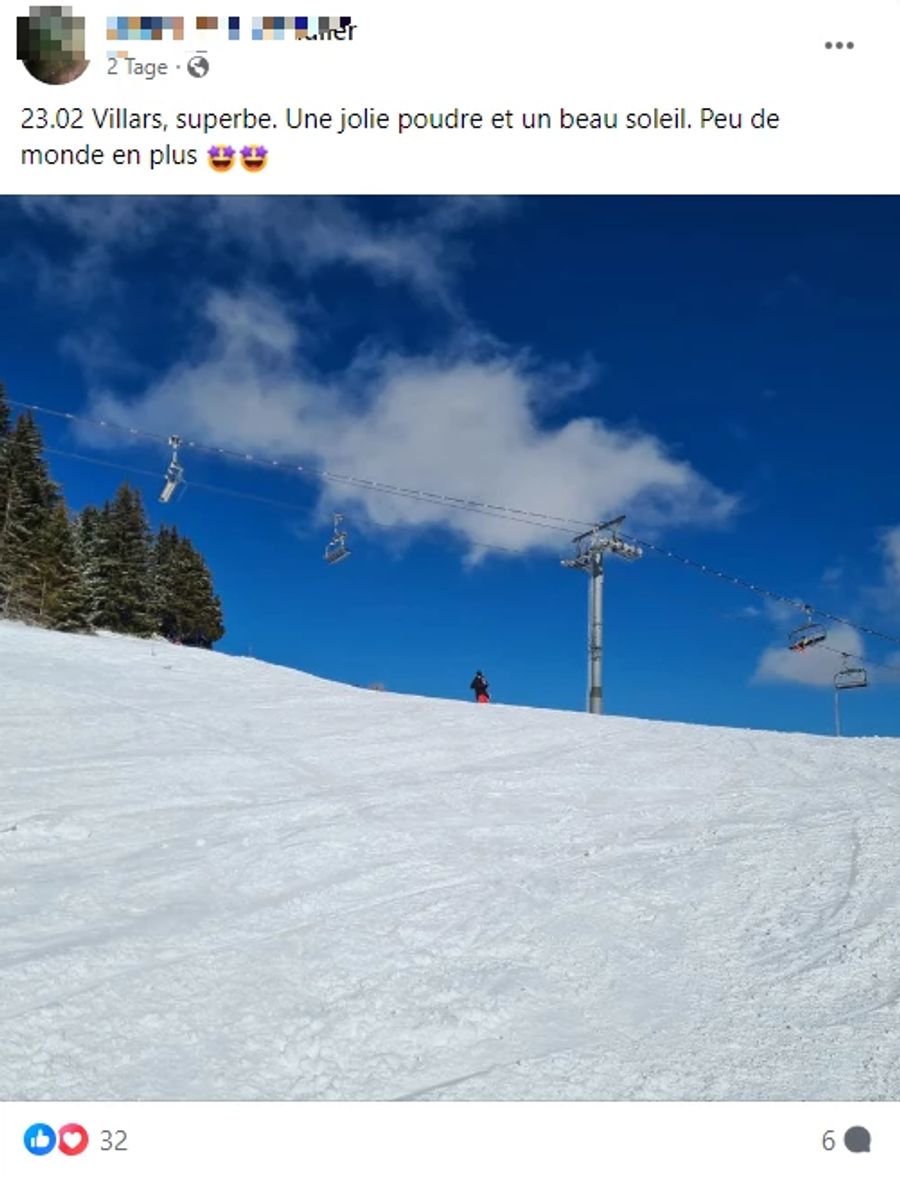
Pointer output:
x,y
592,546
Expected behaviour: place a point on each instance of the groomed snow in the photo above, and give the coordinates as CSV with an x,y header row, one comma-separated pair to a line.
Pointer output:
x,y
221,879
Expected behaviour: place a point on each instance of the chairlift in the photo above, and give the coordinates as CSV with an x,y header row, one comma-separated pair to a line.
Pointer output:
x,y
175,472
336,549
807,635
850,677
846,679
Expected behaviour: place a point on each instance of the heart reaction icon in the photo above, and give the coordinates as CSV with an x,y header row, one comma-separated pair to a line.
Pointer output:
x,y
73,1139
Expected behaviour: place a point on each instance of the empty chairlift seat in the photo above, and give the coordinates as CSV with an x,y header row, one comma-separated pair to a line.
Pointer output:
x,y
850,677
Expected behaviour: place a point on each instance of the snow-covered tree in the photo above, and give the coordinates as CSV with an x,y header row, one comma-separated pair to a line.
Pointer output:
x,y
188,609
29,500
59,586
101,568
123,545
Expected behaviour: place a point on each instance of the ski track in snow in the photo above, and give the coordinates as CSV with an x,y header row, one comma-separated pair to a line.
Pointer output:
x,y
226,880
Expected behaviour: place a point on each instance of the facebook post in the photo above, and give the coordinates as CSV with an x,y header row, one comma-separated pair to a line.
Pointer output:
x,y
449,589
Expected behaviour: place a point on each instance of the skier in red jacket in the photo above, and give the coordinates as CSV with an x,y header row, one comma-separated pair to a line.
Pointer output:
x,y
479,685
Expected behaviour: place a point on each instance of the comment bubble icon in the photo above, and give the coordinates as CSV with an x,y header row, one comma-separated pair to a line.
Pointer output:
x,y
858,1139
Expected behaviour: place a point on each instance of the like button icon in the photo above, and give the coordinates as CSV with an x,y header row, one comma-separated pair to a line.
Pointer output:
x,y
40,1139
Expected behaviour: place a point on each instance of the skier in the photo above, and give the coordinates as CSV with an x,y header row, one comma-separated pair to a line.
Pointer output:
x,y
479,685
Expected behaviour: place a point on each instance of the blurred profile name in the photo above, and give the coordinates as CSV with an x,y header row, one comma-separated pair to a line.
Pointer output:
x,y
259,28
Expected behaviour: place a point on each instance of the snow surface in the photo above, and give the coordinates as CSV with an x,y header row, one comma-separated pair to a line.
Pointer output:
x,y
221,879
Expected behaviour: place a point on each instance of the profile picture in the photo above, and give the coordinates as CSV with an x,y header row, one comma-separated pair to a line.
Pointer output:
x,y
50,42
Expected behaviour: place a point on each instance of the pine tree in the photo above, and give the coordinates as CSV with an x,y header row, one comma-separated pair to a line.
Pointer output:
x,y
164,598
29,501
188,609
14,544
89,543
56,575
6,539
123,548
101,568
5,413
5,434
205,625
25,460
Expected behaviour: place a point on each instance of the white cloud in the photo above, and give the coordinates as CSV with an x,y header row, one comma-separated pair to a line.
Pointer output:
x,y
99,353
884,595
890,673
424,249
465,423
783,613
890,548
106,232
814,666
99,218
749,611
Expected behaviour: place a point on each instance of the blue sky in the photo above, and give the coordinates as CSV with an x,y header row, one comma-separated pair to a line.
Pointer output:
x,y
724,371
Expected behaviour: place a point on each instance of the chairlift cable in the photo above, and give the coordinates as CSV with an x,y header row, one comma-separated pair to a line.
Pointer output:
x,y
281,504
894,669
760,590
434,497
513,514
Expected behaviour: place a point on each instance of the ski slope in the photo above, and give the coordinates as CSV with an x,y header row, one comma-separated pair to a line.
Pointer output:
x,y
221,879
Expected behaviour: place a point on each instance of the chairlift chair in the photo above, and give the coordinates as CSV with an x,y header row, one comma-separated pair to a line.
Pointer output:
x,y
807,635
846,679
174,474
850,677
336,549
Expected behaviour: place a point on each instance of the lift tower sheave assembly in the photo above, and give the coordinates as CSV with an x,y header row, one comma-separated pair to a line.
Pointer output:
x,y
592,546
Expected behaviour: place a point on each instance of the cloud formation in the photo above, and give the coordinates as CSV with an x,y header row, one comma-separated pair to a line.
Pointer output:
x,y
813,667
104,232
466,422
890,550
424,249
883,596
